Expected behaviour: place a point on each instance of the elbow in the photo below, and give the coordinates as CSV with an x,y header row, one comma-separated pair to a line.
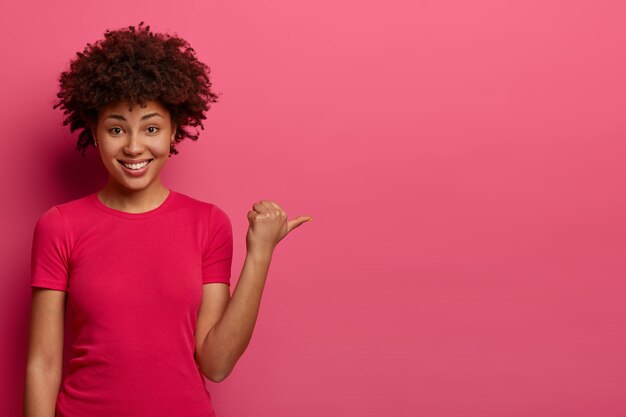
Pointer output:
x,y
215,374
218,375
217,378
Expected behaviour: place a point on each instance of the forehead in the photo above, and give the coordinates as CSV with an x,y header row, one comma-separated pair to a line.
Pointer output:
x,y
122,108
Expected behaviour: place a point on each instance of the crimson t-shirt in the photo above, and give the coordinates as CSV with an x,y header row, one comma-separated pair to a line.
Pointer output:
x,y
134,284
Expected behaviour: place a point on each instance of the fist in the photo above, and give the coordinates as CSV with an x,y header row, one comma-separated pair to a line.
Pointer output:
x,y
269,225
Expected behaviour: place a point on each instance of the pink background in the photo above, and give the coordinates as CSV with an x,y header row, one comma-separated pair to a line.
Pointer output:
x,y
464,165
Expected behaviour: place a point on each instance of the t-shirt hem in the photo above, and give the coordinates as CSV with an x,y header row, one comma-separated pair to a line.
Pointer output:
x,y
47,284
211,280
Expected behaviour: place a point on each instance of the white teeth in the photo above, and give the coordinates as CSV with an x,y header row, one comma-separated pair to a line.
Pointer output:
x,y
136,166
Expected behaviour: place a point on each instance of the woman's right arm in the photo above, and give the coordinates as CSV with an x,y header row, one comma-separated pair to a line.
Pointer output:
x,y
45,352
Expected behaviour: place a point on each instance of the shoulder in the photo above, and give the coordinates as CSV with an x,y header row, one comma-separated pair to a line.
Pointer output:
x,y
50,233
50,221
206,209
57,220
73,216
58,212
67,210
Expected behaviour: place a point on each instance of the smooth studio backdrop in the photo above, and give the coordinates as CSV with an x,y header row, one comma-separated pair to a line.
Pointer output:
x,y
464,165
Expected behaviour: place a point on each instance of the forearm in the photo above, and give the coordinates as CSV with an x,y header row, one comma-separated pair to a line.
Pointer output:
x,y
41,390
229,337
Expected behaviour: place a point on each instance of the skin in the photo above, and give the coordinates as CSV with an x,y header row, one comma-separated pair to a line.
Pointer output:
x,y
123,134
225,324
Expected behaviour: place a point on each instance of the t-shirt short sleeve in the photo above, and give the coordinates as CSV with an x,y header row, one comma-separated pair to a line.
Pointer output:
x,y
50,252
218,254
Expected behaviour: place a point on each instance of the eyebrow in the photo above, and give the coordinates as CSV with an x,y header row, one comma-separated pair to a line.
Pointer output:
x,y
147,116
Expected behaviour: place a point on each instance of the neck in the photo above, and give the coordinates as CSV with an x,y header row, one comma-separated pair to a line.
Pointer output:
x,y
133,200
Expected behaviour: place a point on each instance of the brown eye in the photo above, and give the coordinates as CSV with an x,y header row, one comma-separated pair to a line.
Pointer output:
x,y
154,127
112,129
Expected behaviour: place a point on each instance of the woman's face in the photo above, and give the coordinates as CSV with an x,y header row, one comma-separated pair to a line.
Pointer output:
x,y
136,136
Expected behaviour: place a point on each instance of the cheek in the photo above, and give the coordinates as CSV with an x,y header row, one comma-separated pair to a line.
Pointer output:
x,y
107,150
162,149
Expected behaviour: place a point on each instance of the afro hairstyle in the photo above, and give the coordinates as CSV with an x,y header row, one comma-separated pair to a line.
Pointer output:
x,y
135,65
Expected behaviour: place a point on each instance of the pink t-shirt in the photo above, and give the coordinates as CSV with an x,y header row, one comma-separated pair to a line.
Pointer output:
x,y
134,284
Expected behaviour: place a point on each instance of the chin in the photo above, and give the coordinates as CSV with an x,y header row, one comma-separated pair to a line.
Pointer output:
x,y
133,186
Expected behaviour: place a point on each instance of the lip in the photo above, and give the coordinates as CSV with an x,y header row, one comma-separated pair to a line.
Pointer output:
x,y
136,172
134,161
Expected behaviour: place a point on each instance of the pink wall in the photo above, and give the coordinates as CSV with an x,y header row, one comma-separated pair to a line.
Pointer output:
x,y
464,165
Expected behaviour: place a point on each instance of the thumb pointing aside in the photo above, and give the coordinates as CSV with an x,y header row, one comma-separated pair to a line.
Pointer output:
x,y
292,224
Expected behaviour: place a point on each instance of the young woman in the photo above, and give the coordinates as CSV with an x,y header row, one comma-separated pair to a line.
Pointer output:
x,y
145,269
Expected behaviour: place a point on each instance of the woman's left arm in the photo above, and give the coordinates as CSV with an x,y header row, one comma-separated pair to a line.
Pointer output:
x,y
226,340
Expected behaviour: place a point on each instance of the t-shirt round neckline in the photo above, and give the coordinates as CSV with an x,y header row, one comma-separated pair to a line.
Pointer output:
x,y
127,215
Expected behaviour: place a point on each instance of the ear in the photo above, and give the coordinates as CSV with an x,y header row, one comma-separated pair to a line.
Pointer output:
x,y
174,127
92,129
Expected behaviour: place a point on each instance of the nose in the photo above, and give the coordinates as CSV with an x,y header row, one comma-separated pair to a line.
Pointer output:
x,y
134,146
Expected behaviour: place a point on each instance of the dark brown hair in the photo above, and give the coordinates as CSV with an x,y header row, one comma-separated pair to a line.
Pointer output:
x,y
135,65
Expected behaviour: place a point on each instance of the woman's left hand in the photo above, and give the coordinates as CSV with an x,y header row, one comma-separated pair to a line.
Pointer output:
x,y
268,226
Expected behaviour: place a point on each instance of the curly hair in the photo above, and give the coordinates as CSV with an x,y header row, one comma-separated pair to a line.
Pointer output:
x,y
135,65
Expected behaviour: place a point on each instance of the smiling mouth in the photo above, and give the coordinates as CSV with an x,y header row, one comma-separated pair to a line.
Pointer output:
x,y
135,167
